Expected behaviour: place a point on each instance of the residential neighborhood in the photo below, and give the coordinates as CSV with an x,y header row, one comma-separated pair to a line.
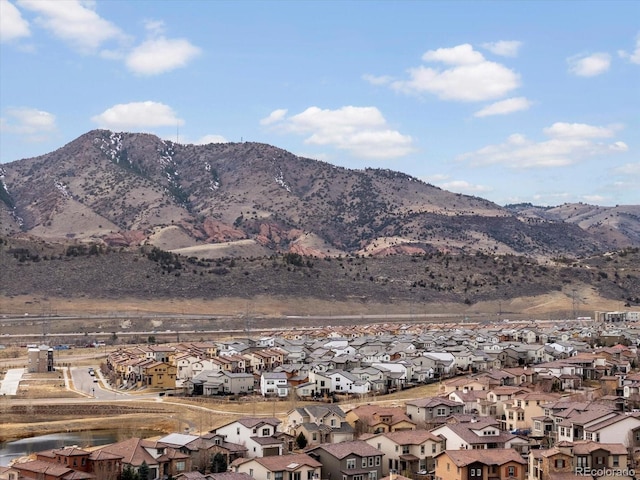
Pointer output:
x,y
530,401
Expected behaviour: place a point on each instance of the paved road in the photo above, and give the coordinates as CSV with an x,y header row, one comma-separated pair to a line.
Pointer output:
x,y
9,386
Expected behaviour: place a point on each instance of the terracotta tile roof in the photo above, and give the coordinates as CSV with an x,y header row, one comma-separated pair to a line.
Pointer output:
x,y
492,456
290,463
432,402
131,451
343,449
411,437
251,422
43,467
583,448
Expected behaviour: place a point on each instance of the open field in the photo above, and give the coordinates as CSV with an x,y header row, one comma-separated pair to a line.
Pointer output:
x,y
44,406
177,415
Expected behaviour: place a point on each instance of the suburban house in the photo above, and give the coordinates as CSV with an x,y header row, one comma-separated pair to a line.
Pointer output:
x,y
68,462
433,410
274,384
499,464
407,452
159,458
220,382
521,409
348,460
258,435
378,419
579,459
474,433
159,375
298,466
230,451
320,424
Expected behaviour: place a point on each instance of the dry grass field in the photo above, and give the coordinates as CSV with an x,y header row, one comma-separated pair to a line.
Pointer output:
x,y
43,405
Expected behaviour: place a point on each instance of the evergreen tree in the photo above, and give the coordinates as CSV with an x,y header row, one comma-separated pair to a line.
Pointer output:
x,y
129,474
218,463
143,471
301,441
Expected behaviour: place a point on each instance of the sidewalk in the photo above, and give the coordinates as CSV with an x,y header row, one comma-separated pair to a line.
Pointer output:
x,y
9,386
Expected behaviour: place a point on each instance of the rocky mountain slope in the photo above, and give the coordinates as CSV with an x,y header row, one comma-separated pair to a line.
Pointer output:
x,y
249,199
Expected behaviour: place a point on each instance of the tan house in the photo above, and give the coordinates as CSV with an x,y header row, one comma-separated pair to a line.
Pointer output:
x,y
520,411
285,467
407,452
378,419
579,460
159,375
498,464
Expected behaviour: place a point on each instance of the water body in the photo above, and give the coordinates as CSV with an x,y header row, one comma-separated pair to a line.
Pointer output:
x,y
19,448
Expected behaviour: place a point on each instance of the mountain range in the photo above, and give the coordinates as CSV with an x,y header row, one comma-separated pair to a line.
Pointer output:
x,y
251,199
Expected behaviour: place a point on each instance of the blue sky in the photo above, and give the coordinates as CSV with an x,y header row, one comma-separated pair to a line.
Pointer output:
x,y
515,101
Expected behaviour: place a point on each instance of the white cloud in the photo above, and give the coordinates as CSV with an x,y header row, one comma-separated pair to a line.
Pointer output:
x,y
75,22
362,131
633,57
580,130
274,117
137,115
435,179
589,65
207,139
377,79
154,27
470,78
159,55
569,143
462,186
504,107
596,199
460,55
33,124
505,48
628,169
12,25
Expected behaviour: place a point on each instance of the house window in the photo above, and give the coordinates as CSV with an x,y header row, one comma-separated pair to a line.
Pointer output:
x,y
433,448
314,436
364,462
378,461
180,466
266,432
559,463
511,471
251,472
371,461
520,416
311,474
441,412
277,475
295,476
616,460
421,449
373,475
405,449
238,431
351,463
